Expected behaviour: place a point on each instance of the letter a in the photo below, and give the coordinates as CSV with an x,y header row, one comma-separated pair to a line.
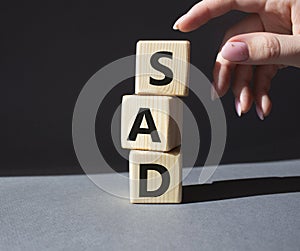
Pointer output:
x,y
136,128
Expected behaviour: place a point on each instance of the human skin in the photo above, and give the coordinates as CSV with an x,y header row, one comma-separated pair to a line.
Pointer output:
x,y
268,38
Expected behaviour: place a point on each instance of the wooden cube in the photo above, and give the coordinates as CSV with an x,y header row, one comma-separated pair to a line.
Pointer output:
x,y
151,123
155,177
162,67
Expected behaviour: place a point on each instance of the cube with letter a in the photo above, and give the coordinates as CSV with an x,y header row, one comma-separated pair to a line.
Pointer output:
x,y
152,123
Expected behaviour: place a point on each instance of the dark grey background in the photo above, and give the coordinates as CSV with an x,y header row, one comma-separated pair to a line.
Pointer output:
x,y
49,49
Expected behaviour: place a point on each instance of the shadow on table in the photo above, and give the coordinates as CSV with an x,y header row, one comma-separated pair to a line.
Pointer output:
x,y
230,189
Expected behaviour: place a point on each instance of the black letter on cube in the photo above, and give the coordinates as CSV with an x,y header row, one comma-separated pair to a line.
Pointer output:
x,y
136,129
143,180
162,68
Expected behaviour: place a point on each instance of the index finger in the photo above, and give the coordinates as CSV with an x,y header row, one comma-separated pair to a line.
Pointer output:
x,y
206,10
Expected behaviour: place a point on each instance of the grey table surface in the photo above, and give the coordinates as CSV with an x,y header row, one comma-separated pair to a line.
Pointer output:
x,y
244,207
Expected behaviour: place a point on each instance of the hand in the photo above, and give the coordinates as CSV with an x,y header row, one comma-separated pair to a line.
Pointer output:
x,y
269,38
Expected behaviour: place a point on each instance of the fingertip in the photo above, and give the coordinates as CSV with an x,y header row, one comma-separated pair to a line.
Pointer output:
x,y
263,106
187,23
266,104
222,76
261,87
259,112
177,22
213,93
243,101
238,107
181,24
175,27
246,99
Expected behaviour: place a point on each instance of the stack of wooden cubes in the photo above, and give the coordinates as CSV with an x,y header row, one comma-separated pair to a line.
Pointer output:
x,y
151,121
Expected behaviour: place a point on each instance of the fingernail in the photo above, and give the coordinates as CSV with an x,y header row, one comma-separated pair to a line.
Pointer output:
x,y
259,112
213,93
238,107
235,51
179,20
265,103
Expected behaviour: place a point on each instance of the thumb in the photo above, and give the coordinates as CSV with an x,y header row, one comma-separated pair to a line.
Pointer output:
x,y
263,48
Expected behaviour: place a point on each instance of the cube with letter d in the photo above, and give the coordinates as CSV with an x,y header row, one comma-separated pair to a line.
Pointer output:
x,y
155,177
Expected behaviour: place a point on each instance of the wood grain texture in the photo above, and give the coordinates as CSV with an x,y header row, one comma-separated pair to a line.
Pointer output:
x,y
167,116
172,161
179,64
